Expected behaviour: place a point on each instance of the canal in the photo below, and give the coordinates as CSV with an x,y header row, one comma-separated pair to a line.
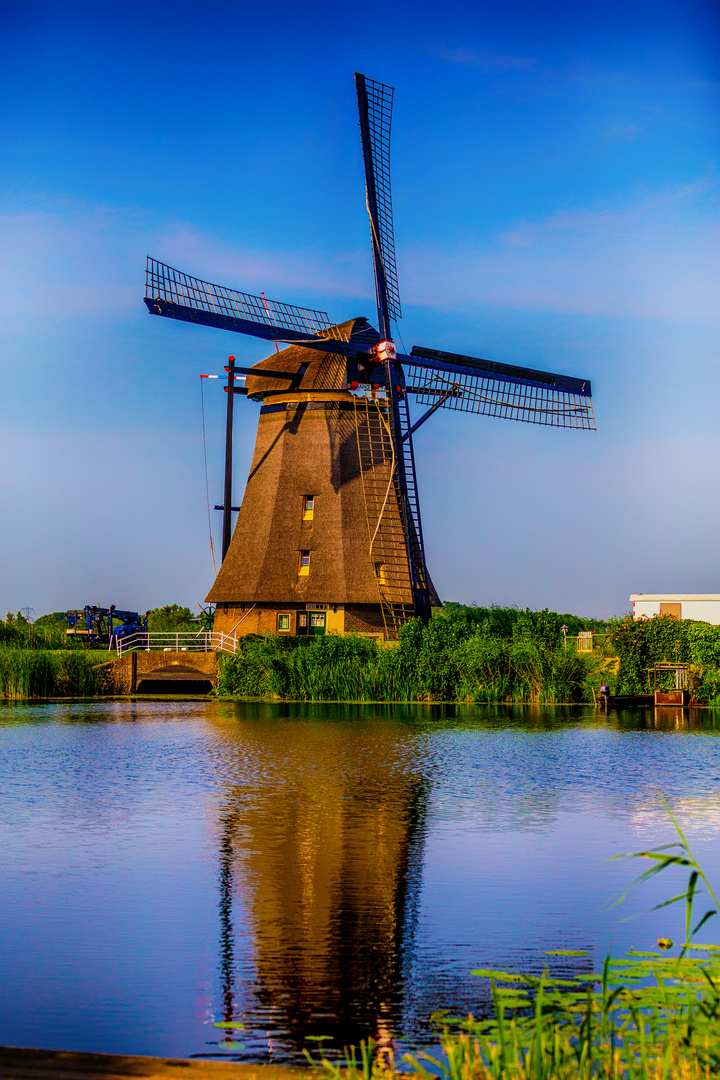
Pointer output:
x,y
321,870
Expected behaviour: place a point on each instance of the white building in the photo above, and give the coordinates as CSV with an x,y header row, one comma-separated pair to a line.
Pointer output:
x,y
702,606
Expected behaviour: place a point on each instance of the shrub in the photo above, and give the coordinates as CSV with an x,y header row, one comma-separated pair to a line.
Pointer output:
x,y
47,632
171,619
641,643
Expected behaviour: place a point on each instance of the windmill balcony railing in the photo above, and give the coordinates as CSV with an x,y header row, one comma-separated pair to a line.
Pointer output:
x,y
169,641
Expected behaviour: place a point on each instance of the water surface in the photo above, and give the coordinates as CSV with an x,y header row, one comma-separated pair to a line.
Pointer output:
x,y
319,870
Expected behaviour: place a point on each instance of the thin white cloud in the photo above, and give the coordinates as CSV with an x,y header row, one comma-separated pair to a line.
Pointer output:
x,y
626,132
498,63
581,73
487,61
702,84
657,256
279,274
654,256
65,259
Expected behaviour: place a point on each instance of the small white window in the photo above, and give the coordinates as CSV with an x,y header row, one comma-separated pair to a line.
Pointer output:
x,y
308,508
304,564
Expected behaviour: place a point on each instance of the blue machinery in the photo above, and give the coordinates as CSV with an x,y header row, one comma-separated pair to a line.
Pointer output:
x,y
104,626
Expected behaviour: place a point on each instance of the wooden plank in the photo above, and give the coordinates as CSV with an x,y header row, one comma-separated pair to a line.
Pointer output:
x,y
21,1063
671,697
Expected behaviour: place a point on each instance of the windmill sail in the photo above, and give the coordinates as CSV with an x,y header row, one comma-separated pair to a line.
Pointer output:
x,y
469,384
175,295
375,108
375,113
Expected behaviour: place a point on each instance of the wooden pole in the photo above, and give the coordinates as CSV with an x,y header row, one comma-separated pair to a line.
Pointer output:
x,y
227,501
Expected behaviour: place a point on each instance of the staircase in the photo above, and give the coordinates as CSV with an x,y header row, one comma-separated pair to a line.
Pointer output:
x,y
387,549
413,526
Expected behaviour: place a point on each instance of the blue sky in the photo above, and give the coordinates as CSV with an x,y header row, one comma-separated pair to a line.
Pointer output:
x,y
556,195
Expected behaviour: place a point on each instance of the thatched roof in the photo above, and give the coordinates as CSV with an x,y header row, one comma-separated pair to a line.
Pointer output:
x,y
325,371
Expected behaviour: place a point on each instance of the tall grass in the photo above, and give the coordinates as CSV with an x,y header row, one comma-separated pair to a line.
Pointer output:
x,y
44,673
646,1015
450,659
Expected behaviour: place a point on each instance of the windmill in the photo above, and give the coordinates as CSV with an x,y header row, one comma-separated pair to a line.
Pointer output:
x,y
329,534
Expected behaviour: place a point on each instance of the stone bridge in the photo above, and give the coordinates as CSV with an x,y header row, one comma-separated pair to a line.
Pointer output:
x,y
165,673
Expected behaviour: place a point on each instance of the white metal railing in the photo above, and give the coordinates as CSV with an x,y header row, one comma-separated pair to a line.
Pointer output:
x,y
167,641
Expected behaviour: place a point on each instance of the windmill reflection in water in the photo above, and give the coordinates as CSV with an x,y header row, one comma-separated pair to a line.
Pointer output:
x,y
320,862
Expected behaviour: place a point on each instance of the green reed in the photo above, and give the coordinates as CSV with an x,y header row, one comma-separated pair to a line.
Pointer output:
x,y
645,1015
447,660
44,673
481,655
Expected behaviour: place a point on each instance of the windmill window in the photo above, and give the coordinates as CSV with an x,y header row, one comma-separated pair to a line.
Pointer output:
x,y
381,573
283,622
308,507
304,569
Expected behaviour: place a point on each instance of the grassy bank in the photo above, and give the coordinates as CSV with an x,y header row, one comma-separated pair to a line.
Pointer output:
x,y
650,1015
456,657
468,654
44,673
477,655
39,660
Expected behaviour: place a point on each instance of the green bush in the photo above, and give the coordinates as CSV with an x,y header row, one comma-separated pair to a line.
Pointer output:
x,y
642,643
47,632
171,619
500,621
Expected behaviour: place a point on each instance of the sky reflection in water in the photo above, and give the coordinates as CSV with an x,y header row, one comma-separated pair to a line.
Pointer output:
x,y
318,870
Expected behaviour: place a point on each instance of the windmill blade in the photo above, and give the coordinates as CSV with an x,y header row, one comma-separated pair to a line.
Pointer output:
x,y
176,295
469,384
375,110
